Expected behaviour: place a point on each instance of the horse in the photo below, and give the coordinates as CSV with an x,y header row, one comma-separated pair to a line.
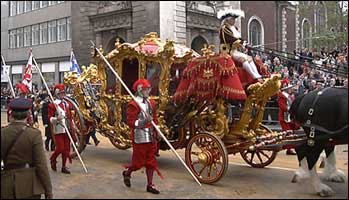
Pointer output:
x,y
323,115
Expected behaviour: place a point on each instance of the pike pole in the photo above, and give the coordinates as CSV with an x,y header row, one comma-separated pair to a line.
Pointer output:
x,y
57,109
152,122
8,76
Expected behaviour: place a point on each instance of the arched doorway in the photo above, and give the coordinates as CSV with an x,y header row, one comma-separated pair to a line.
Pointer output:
x,y
111,44
198,43
111,83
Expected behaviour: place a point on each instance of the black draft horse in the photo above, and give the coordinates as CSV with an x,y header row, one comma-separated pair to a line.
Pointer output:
x,y
323,115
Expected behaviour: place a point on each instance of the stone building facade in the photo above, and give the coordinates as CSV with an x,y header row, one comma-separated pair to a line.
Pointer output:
x,y
271,24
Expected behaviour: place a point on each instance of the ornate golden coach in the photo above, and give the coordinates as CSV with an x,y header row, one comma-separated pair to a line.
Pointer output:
x,y
199,125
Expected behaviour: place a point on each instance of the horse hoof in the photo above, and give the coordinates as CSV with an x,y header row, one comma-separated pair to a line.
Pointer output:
x,y
337,177
295,179
325,191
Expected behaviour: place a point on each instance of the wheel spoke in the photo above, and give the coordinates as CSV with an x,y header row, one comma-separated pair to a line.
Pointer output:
x,y
252,155
264,154
209,171
259,157
202,170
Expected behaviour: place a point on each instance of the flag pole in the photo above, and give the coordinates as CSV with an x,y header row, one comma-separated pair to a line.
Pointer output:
x,y
9,79
152,122
56,106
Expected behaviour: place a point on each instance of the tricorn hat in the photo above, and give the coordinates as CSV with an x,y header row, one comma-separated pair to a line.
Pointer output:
x,y
229,12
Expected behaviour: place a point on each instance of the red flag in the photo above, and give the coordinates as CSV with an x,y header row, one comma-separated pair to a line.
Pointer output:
x,y
27,77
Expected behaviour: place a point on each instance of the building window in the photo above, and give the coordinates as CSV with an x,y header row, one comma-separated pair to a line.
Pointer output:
x,y
60,1
35,34
255,32
62,29
50,3
306,34
12,39
16,78
13,8
320,19
43,4
27,36
20,37
35,5
52,31
43,33
20,7
28,6
49,77
68,28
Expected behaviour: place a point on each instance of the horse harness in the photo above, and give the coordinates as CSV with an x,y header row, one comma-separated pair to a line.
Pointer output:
x,y
311,137
313,127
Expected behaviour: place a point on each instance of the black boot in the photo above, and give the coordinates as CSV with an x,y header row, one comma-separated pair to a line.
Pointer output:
x,y
65,170
47,144
127,179
152,189
53,146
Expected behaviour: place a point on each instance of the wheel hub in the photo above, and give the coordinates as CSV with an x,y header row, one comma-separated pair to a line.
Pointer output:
x,y
205,158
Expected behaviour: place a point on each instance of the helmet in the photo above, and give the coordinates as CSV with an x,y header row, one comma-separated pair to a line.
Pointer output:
x,y
23,89
59,88
141,84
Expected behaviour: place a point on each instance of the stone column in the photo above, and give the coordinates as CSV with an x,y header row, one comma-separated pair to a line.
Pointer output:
x,y
283,29
298,42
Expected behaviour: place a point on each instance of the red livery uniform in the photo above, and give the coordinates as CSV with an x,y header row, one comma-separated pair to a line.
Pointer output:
x,y
143,134
61,138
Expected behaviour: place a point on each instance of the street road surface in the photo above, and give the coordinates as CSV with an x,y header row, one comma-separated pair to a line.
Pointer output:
x,y
105,165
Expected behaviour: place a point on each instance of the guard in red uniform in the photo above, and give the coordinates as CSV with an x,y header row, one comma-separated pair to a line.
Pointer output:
x,y
143,135
57,118
22,92
285,100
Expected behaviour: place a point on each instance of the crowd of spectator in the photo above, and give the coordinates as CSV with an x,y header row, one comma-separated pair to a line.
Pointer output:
x,y
310,69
